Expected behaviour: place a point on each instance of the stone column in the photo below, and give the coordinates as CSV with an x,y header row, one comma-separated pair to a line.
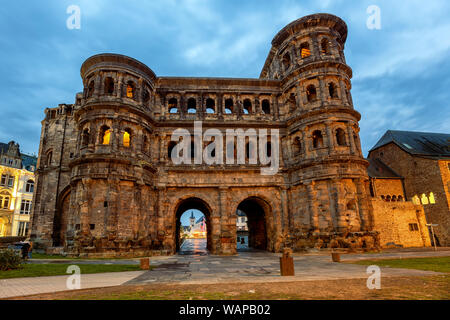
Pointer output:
x,y
220,105
338,197
330,136
312,203
285,216
113,201
322,91
84,207
350,139
362,204
119,87
217,219
343,93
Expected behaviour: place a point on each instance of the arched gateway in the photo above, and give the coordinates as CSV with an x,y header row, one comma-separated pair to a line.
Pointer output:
x,y
283,148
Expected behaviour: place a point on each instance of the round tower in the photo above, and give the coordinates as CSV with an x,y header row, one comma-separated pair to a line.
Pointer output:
x,y
327,170
112,172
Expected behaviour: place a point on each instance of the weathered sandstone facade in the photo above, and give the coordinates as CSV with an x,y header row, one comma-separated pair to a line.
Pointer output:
x,y
107,186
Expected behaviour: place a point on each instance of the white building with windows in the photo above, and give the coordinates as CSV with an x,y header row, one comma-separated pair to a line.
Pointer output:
x,y
16,190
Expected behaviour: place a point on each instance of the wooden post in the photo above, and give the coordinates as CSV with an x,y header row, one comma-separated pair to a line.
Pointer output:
x,y
145,264
336,256
287,264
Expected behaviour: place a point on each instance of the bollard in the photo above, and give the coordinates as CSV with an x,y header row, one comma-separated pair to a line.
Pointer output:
x,y
287,263
336,256
145,264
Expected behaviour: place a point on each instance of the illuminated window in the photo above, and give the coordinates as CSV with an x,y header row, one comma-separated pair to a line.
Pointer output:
x,y
304,50
3,180
105,135
431,198
317,139
130,90
416,199
311,93
126,137
424,199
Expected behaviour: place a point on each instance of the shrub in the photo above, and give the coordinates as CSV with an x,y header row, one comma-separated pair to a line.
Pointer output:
x,y
9,260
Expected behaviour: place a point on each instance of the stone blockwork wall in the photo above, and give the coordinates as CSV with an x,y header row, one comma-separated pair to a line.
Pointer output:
x,y
121,194
421,177
397,224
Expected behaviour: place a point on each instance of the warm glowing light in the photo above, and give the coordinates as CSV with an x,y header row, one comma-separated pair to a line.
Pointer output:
x,y
305,53
126,139
416,200
424,199
106,137
129,91
431,197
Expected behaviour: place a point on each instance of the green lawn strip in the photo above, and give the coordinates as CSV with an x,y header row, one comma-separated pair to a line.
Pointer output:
x,y
438,264
60,257
42,270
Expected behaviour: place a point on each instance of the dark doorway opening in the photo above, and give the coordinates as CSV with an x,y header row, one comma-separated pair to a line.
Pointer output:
x,y
255,210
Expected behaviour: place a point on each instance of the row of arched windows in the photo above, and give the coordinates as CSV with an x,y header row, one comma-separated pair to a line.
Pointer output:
x,y
318,142
110,88
311,92
393,198
210,106
105,138
424,199
305,52
230,148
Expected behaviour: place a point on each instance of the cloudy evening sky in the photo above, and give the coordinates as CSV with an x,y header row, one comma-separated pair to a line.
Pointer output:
x,y
400,73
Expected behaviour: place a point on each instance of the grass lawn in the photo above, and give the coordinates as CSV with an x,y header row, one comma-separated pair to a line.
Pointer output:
x,y
42,270
50,256
403,288
438,264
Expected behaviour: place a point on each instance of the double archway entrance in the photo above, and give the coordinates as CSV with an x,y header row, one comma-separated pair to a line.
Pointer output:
x,y
193,216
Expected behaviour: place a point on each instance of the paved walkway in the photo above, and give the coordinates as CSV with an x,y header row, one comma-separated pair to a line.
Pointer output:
x,y
265,267
201,269
29,286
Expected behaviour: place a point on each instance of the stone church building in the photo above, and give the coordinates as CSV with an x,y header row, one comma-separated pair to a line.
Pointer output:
x,y
107,184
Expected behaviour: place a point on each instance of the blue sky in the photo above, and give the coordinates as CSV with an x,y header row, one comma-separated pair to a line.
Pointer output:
x,y
401,72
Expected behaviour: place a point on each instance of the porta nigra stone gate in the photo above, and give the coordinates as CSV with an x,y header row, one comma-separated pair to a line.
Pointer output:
x,y
107,186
